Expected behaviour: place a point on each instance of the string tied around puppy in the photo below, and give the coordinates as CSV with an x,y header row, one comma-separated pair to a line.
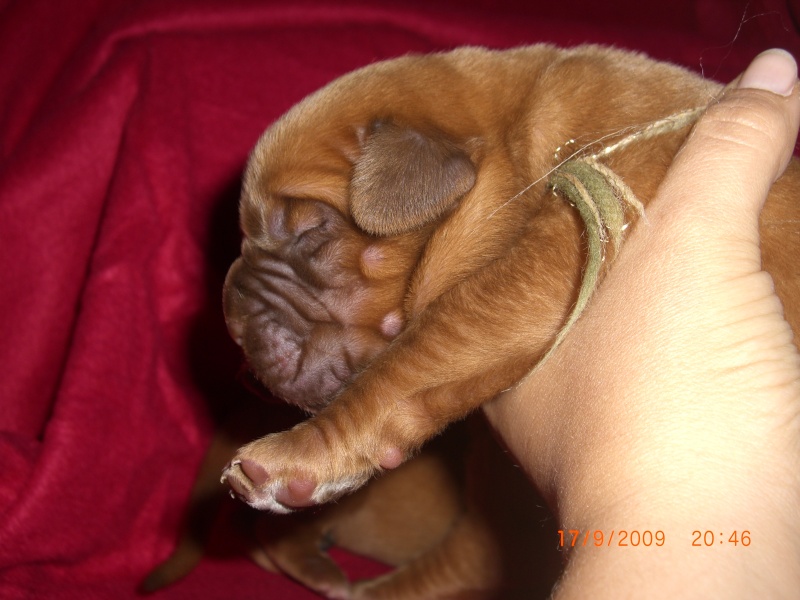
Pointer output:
x,y
602,200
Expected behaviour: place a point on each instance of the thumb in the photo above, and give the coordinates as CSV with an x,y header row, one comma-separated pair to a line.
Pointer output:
x,y
740,146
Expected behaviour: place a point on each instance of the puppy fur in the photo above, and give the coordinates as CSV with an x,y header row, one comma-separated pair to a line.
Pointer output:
x,y
403,262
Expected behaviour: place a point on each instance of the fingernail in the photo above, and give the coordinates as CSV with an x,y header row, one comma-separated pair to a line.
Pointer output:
x,y
773,71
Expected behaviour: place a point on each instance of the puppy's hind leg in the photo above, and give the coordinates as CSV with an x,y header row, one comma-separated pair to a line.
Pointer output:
x,y
502,545
396,519
463,566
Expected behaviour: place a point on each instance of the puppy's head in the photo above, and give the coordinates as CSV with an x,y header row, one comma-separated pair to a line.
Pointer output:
x,y
334,219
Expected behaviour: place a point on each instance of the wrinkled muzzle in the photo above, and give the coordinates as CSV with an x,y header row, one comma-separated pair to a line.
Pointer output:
x,y
288,343
298,326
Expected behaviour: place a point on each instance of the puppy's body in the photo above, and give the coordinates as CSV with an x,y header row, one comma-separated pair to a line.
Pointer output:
x,y
403,261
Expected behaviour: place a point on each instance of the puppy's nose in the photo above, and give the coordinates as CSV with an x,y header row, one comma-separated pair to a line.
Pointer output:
x,y
236,331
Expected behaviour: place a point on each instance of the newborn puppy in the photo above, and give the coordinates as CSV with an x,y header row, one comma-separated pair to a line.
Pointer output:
x,y
403,260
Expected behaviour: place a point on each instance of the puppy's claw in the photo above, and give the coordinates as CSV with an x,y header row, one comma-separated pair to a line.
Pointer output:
x,y
226,471
262,496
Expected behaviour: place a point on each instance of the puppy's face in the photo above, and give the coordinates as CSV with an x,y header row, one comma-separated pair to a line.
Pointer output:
x,y
291,302
333,229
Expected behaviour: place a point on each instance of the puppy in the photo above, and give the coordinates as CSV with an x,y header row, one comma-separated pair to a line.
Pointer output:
x,y
403,261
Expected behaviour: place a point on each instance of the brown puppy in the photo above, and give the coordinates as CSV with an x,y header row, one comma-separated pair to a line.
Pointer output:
x,y
403,261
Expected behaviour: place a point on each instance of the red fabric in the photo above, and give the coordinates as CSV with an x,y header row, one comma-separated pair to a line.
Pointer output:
x,y
124,127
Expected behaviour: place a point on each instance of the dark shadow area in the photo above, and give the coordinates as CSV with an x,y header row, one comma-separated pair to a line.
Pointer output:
x,y
241,410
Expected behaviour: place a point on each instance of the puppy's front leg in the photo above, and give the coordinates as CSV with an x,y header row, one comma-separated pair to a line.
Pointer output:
x,y
476,339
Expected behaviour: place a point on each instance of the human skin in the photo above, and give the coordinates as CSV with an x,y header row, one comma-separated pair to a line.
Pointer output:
x,y
674,403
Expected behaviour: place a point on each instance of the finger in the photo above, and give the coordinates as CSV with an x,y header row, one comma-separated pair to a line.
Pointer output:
x,y
775,71
739,148
772,71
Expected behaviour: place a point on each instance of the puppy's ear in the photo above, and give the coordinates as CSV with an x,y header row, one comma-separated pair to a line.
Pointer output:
x,y
405,179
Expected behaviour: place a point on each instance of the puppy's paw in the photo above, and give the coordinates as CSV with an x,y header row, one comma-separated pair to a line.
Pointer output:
x,y
296,468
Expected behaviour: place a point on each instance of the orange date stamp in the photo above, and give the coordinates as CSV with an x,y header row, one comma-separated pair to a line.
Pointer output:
x,y
635,538
617,538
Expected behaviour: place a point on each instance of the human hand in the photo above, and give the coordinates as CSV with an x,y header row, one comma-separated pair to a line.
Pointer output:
x,y
674,402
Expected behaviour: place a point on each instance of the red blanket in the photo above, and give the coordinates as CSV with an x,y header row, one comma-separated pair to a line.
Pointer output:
x,y
124,127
